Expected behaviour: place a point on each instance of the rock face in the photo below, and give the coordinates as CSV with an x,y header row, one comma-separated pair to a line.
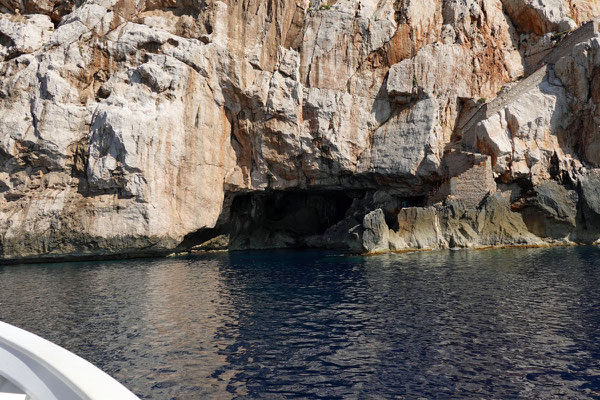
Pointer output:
x,y
144,127
454,225
376,233
551,212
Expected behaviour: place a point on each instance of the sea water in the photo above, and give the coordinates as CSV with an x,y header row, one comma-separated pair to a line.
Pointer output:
x,y
493,324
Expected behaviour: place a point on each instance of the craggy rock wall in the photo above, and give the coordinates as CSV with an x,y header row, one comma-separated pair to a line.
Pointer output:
x,y
128,127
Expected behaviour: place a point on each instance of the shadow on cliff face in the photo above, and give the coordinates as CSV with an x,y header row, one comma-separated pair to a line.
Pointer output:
x,y
588,209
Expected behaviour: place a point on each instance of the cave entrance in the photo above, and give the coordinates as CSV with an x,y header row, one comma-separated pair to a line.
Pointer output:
x,y
285,219
297,219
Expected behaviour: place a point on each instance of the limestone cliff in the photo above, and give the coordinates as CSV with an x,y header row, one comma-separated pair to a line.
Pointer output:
x,y
134,127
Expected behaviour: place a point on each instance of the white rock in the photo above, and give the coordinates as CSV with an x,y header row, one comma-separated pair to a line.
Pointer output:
x,y
23,34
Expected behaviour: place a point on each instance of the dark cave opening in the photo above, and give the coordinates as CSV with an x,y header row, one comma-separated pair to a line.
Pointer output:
x,y
317,211
273,219
295,219
277,219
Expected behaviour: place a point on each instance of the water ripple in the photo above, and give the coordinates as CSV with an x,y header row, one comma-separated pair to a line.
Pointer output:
x,y
495,324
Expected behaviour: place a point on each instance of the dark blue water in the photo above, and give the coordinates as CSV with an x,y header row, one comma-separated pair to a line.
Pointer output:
x,y
501,324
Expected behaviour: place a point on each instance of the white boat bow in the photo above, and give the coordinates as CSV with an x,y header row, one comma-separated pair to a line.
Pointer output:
x,y
32,368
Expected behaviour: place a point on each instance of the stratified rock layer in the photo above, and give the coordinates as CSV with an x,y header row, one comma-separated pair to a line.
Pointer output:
x,y
143,127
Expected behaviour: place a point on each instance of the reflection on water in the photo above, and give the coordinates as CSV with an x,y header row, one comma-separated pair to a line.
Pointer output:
x,y
469,324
